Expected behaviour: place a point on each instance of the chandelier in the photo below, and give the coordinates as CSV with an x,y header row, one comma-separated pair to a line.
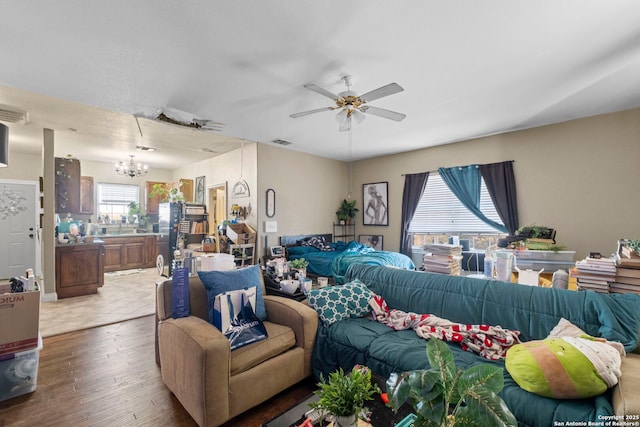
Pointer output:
x,y
131,169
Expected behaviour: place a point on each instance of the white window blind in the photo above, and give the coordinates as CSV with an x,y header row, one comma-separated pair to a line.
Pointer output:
x,y
115,198
440,211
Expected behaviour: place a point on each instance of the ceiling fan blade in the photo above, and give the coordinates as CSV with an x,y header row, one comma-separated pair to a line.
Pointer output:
x,y
381,112
387,90
306,113
322,91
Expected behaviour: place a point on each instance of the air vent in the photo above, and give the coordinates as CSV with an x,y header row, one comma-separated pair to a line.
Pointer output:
x,y
13,114
281,142
208,150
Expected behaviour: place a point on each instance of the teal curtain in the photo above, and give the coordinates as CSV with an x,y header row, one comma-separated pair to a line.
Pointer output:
x,y
464,183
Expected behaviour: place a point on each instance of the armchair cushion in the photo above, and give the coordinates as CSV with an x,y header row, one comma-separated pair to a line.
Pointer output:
x,y
281,338
216,282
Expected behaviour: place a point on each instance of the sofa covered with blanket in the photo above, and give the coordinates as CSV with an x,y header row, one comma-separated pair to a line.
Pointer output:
x,y
532,311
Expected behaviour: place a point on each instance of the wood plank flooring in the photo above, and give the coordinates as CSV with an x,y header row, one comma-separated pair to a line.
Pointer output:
x,y
107,376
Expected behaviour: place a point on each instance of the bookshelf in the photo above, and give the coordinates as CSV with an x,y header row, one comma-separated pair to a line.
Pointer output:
x,y
194,225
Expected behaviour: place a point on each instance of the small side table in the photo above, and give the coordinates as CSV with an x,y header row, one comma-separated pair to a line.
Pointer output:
x,y
273,288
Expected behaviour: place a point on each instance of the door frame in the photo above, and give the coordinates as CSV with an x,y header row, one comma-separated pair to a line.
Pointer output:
x,y
211,189
36,221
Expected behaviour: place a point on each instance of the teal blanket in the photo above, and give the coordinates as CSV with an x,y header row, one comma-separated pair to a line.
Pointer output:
x,y
335,263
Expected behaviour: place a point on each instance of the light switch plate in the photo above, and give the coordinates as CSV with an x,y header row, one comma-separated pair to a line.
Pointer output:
x,y
271,226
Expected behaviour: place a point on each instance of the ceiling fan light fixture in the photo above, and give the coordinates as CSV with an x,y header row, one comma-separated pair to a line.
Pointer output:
x,y
353,105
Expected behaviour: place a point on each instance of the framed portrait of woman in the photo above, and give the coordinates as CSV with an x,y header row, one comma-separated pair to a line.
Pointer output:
x,y
375,202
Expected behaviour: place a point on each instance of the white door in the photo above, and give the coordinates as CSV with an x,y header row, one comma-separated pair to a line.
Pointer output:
x,y
18,231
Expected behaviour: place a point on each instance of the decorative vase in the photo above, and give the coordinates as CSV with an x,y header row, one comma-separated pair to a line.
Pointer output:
x,y
346,421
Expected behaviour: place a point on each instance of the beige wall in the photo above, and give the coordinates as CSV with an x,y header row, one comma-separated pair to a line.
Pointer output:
x,y
105,172
228,169
580,177
308,191
22,167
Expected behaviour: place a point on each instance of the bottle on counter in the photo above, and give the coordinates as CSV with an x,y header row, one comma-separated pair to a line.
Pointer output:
x,y
488,264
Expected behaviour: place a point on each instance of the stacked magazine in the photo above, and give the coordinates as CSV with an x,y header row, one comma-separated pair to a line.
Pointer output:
x,y
595,274
627,278
442,258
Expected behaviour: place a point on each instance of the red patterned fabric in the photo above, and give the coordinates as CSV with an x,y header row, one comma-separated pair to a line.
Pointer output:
x,y
490,342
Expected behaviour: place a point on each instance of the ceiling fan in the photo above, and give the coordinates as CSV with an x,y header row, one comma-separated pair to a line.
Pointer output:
x,y
352,105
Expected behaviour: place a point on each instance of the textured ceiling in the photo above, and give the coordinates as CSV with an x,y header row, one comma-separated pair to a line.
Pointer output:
x,y
469,68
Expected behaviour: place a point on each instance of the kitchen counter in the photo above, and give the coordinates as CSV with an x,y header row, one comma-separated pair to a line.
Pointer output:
x,y
96,241
110,235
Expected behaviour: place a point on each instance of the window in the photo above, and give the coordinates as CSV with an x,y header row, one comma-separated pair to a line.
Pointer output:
x,y
114,199
440,214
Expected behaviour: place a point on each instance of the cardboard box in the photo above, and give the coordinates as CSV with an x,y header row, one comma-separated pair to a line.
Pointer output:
x,y
241,234
19,372
19,317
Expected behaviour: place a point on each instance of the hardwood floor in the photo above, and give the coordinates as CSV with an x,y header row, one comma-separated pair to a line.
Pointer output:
x,y
107,376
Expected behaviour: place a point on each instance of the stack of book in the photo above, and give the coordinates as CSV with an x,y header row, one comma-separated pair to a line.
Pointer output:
x,y
442,258
627,278
594,274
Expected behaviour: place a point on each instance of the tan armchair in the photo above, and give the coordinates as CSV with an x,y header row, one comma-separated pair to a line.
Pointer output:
x,y
215,384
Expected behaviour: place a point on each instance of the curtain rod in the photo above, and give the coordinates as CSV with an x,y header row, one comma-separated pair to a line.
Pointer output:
x,y
512,161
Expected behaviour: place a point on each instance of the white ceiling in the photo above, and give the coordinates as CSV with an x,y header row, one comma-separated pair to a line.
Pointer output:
x,y
469,68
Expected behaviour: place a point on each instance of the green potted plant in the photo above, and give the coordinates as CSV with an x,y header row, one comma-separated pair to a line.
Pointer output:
x,y
134,213
167,192
444,396
535,231
347,211
344,395
300,265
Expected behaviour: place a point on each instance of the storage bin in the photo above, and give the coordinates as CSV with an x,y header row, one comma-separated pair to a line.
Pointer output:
x,y
559,256
549,266
19,372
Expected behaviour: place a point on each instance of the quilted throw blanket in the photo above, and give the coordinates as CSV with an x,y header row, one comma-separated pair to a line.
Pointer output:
x,y
490,342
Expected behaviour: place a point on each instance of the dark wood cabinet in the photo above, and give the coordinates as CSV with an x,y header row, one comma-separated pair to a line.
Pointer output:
x,y
67,185
79,269
87,201
152,202
125,253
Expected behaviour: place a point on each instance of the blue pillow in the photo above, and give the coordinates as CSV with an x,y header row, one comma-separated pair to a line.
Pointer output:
x,y
216,282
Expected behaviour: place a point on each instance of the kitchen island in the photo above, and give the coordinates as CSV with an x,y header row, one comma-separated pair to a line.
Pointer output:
x,y
79,268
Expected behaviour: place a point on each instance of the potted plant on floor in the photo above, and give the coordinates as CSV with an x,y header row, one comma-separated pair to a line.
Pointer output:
x,y
445,396
344,395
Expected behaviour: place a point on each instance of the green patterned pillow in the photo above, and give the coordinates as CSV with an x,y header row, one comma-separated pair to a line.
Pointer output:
x,y
334,303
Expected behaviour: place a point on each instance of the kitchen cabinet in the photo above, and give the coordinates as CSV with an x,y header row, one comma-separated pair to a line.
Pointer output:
x,y
87,202
79,269
186,186
67,185
129,252
153,202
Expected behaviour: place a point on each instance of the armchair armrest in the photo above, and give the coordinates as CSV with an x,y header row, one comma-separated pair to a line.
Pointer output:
x,y
299,317
195,364
625,397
